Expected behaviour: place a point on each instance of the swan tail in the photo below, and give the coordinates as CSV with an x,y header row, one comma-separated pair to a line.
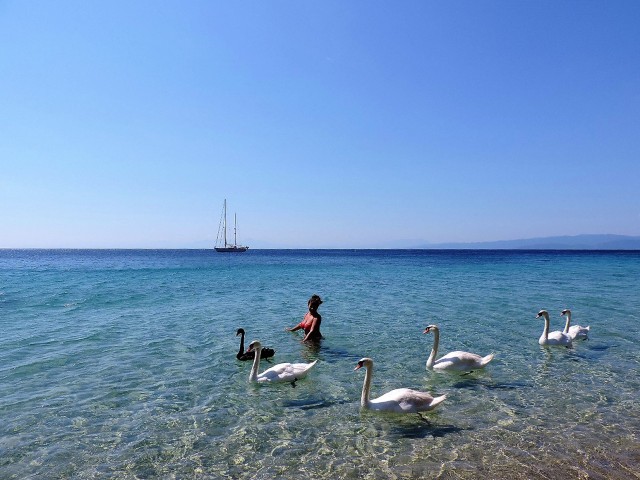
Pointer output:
x,y
437,401
487,359
303,372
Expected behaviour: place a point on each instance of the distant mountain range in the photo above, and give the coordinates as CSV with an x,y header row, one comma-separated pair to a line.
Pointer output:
x,y
575,242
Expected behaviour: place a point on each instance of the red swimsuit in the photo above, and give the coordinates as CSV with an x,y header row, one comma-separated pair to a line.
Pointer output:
x,y
306,323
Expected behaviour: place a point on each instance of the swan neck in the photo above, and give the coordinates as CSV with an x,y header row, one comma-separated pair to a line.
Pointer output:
x,y
545,332
253,375
241,351
434,351
366,387
568,324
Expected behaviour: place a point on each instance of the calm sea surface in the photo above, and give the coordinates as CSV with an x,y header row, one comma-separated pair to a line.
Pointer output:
x,y
121,364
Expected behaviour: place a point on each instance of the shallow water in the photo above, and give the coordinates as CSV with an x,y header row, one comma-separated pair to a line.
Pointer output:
x,y
121,364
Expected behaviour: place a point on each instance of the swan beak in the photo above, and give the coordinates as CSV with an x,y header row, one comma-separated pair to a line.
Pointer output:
x,y
358,367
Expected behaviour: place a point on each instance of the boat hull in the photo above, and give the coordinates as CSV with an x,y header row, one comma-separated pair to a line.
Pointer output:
x,y
231,249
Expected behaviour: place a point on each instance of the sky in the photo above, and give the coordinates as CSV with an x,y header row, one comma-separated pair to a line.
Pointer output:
x,y
332,124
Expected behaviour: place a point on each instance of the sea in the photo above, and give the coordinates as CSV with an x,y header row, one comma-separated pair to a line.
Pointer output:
x,y
122,364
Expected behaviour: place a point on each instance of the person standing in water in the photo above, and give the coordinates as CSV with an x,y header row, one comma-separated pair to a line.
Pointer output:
x,y
311,321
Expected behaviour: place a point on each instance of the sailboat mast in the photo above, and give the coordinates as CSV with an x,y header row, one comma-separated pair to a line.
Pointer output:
x,y
228,247
235,227
225,222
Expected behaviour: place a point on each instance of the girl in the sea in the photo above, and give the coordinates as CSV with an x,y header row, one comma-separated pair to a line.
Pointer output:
x,y
311,321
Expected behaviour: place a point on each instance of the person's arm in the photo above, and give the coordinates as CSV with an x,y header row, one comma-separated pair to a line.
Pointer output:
x,y
297,327
313,331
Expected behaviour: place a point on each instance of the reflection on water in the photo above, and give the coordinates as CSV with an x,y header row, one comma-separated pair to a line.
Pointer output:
x,y
124,366
480,384
428,429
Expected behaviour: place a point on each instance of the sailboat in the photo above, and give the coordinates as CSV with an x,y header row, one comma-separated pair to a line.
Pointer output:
x,y
228,247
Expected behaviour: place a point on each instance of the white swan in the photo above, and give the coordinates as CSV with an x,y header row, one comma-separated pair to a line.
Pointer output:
x,y
574,331
400,400
458,361
552,338
283,372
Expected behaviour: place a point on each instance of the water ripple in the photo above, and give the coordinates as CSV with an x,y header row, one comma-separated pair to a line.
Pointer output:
x,y
122,365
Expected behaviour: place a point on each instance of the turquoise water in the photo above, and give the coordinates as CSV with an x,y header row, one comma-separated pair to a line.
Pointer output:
x,y
121,364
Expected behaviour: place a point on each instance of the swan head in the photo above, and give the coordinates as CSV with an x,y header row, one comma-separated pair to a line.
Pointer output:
x,y
543,313
364,362
566,311
430,328
240,332
254,346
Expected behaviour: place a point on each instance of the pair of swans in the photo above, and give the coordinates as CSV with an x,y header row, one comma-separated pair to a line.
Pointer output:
x,y
400,400
242,355
565,337
282,372
406,400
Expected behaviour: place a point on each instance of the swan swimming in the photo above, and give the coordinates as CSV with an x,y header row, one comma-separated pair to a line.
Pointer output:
x,y
242,355
574,331
400,400
552,338
282,372
453,361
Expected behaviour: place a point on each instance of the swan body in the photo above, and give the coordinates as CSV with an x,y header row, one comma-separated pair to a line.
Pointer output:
x,y
282,372
242,355
400,400
454,361
574,331
552,338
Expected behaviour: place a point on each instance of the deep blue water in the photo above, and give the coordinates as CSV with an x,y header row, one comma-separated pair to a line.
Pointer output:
x,y
121,363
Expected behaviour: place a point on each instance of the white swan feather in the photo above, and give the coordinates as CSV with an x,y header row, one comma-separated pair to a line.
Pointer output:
x,y
400,400
282,372
574,331
454,361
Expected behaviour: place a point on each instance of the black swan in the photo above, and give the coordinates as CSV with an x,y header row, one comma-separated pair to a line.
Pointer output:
x,y
249,355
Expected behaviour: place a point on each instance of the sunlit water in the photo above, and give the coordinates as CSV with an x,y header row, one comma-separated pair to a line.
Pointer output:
x,y
121,364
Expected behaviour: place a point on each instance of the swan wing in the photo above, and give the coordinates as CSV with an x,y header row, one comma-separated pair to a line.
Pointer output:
x,y
275,373
406,400
463,361
299,370
557,338
578,331
267,352
285,372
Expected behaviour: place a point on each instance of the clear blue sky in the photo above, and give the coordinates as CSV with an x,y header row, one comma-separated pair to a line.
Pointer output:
x,y
350,124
